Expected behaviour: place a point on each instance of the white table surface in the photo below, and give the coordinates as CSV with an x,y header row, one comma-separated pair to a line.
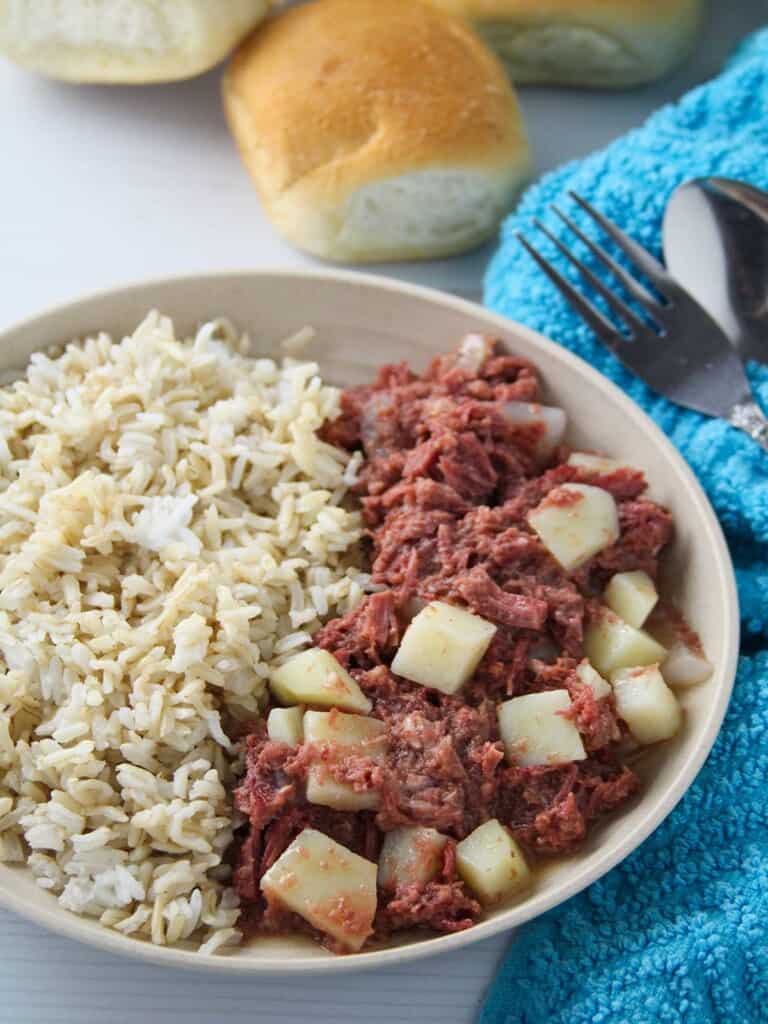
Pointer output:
x,y
104,186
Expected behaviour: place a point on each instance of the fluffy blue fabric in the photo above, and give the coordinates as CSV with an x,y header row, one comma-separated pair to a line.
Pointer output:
x,y
679,931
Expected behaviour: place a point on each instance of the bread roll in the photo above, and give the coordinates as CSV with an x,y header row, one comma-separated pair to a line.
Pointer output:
x,y
376,129
124,41
584,42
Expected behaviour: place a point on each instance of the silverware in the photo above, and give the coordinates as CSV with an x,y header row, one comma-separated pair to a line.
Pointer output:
x,y
716,245
679,350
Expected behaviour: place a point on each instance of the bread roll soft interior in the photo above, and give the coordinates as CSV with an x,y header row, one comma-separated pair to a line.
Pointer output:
x,y
376,129
124,41
600,43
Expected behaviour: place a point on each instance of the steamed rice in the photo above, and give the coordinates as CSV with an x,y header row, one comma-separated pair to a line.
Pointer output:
x,y
171,527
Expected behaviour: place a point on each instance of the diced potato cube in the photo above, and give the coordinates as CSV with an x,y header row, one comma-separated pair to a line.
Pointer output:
x,y
646,703
491,863
443,646
347,733
534,731
328,885
284,725
684,666
473,351
610,644
575,522
590,677
316,677
324,789
552,421
344,734
632,595
595,463
410,855
685,663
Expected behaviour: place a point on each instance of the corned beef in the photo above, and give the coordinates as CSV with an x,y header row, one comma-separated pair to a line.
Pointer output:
x,y
445,489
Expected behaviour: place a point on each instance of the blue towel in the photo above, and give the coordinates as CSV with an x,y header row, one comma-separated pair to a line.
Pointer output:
x,y
679,931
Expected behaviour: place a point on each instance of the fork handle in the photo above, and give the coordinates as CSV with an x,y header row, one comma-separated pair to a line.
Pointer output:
x,y
749,417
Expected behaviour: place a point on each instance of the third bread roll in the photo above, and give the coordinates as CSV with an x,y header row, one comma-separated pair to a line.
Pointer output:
x,y
584,42
376,129
125,42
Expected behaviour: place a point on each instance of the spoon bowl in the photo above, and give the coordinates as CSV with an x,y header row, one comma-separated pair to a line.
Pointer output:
x,y
716,246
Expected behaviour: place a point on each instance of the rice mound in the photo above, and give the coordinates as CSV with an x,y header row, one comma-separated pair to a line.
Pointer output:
x,y
171,527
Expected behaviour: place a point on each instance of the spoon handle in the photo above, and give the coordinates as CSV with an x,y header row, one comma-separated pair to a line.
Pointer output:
x,y
749,417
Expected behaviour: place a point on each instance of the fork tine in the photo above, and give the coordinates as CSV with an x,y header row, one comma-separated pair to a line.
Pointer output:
x,y
592,316
639,329
649,265
649,302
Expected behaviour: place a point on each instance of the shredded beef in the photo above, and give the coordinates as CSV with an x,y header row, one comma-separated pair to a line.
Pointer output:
x,y
646,529
438,906
550,808
594,718
487,599
366,636
443,762
445,490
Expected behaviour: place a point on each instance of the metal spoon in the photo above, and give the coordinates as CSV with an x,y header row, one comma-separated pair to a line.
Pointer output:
x,y
716,246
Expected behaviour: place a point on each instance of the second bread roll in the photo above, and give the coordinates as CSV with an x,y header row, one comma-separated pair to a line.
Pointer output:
x,y
604,43
376,129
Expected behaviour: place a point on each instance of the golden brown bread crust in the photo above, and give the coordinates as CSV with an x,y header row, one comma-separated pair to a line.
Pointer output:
x,y
335,94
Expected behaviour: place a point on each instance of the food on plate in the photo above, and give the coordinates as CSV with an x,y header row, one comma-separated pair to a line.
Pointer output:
x,y
327,885
171,529
549,422
632,595
611,643
609,43
442,646
376,129
535,730
598,686
646,704
124,41
504,694
343,739
316,677
596,463
286,725
575,522
685,663
491,863
410,856
280,658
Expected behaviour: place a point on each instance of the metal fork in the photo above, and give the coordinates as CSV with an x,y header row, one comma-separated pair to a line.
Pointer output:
x,y
683,354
